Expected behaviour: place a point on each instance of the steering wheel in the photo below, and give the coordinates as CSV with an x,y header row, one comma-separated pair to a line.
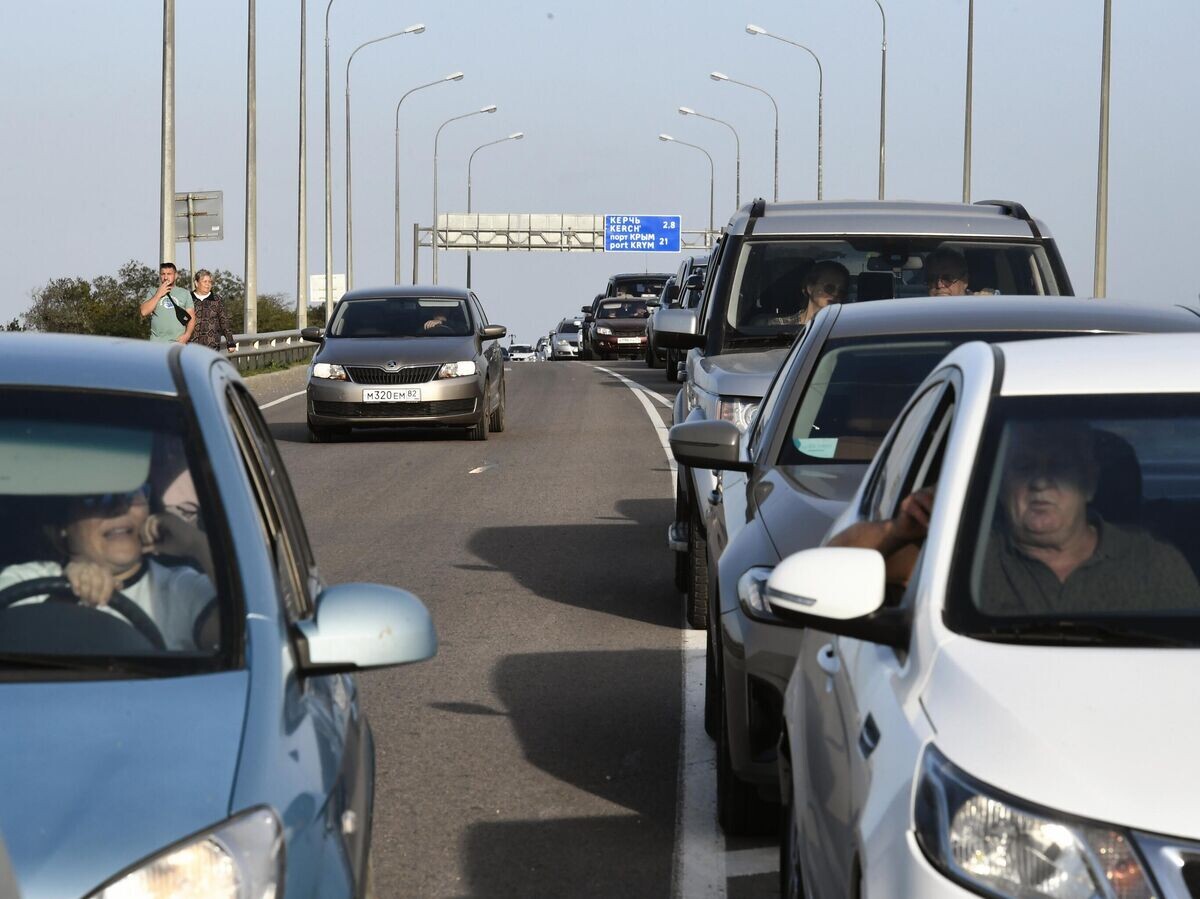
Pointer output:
x,y
59,589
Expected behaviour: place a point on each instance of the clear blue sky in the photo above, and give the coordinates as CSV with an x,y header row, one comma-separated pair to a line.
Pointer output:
x,y
591,85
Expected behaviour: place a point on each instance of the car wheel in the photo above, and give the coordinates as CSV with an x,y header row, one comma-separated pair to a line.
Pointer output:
x,y
479,430
712,688
791,881
672,366
651,356
697,586
740,810
496,419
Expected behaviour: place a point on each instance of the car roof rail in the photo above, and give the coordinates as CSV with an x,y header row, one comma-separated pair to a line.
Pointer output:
x,y
757,210
1016,210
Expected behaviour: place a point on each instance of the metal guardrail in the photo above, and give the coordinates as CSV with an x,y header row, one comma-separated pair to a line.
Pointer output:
x,y
256,351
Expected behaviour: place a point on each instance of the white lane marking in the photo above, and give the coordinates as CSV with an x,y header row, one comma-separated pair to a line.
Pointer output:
x,y
482,468
629,382
698,868
282,399
748,862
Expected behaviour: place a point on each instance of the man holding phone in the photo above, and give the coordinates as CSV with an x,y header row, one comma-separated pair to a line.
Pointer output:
x,y
172,318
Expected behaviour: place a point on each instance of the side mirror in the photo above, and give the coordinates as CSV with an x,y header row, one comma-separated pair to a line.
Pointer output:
x,y
695,281
359,626
652,304
838,590
709,444
492,332
312,335
585,309
676,329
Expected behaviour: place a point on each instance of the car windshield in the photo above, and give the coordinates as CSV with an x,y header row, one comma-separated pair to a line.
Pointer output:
x,y
622,309
768,295
401,317
1080,526
855,393
520,348
646,286
110,538
568,328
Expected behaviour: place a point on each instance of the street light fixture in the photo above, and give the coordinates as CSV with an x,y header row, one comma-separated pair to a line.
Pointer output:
x,y
755,30
711,173
436,137
453,76
721,76
411,29
516,135
737,189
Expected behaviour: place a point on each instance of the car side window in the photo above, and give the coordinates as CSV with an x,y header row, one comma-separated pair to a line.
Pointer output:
x,y
891,475
774,393
483,319
295,569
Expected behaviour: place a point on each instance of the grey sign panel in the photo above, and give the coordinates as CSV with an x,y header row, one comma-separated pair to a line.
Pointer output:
x,y
206,220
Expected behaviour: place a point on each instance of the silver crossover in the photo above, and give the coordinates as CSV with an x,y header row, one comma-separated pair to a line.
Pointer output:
x,y
405,357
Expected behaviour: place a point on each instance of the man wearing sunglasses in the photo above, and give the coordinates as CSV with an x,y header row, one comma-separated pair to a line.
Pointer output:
x,y
947,275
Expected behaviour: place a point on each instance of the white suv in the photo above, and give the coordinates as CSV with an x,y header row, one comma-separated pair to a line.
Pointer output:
x,y
1005,706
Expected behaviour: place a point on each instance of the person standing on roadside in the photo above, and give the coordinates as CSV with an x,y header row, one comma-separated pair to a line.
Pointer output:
x,y
212,323
169,308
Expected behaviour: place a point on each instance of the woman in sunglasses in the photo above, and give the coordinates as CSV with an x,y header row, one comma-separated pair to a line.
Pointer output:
x,y
107,543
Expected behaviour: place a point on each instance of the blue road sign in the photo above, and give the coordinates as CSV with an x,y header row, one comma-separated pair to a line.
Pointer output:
x,y
641,233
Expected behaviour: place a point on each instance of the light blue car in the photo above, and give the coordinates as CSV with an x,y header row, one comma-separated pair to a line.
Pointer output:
x,y
178,713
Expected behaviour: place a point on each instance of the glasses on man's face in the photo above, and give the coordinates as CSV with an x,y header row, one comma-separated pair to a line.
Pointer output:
x,y
829,289
944,280
107,503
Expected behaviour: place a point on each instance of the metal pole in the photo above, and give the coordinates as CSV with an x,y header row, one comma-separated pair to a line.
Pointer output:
x,y
469,161
882,96
250,321
436,137
301,190
967,112
416,246
191,226
776,150
166,229
718,76
1100,278
349,217
328,185
737,143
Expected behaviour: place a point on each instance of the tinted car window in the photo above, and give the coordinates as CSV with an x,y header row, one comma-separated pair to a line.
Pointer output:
x,y
105,506
622,309
638,287
401,317
1080,524
767,295
568,328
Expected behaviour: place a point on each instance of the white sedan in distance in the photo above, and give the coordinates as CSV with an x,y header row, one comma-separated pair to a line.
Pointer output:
x,y
521,352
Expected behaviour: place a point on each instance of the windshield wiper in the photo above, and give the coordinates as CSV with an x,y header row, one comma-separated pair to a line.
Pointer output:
x,y
99,664
1086,632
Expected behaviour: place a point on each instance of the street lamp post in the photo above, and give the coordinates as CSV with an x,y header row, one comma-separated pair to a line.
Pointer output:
x,y
328,185
166,225
719,76
302,197
453,76
1100,276
711,173
882,94
517,135
737,188
250,303
967,111
754,29
436,137
411,29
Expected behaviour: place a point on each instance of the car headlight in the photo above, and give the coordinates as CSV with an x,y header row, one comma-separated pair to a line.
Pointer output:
x,y
601,329
752,594
329,371
243,858
997,845
739,410
457,370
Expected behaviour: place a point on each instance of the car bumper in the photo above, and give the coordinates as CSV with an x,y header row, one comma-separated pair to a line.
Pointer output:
x,y
900,868
606,344
452,402
561,352
757,660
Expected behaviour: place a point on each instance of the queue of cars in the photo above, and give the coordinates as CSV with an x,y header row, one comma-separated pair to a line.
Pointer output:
x,y
898,651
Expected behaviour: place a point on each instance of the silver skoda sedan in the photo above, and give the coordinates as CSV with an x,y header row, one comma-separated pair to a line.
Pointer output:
x,y
416,356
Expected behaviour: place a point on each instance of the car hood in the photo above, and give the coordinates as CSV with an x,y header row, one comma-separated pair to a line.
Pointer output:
x,y
402,350
1103,733
740,374
798,503
98,775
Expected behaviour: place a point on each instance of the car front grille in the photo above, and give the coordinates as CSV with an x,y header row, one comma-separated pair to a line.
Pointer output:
x,y
410,374
432,409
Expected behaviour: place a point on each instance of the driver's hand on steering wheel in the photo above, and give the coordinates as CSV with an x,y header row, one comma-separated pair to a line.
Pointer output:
x,y
93,583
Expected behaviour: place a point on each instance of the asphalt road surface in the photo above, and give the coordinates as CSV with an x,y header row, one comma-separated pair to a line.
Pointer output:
x,y
554,747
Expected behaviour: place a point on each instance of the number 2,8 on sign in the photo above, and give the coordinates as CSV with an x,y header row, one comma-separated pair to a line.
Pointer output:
x,y
668,226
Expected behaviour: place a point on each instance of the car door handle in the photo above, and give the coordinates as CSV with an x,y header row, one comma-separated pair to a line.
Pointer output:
x,y
868,737
828,661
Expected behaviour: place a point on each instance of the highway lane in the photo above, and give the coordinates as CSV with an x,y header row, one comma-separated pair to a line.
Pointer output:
x,y
538,754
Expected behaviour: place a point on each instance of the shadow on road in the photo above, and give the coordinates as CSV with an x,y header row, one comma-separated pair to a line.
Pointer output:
x,y
606,723
621,565
297,432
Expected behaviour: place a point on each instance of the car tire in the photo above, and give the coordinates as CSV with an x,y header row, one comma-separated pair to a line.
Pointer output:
x,y
712,688
496,419
672,366
651,356
697,575
479,430
791,879
740,810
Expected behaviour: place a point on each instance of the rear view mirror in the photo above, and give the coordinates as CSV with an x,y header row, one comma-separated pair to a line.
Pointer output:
x,y
312,335
492,332
358,626
715,444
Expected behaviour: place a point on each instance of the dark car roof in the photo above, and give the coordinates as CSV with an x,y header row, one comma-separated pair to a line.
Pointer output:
x,y
407,290
87,363
1009,314
639,276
